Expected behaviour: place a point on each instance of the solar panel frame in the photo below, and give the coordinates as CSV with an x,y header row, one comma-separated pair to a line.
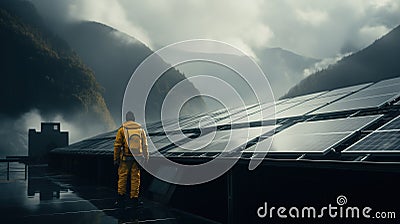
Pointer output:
x,y
237,116
303,134
308,106
374,140
238,139
110,134
221,119
266,108
365,93
163,141
387,141
393,124
325,143
373,96
356,104
305,97
346,90
319,101
386,82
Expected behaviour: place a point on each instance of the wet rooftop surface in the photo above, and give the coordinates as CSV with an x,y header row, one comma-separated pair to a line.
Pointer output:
x,y
46,196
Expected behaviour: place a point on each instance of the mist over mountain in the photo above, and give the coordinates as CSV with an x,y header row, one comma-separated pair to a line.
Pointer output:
x,y
283,68
374,63
41,75
114,56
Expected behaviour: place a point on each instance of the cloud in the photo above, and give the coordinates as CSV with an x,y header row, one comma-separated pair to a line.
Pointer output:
x,y
14,131
312,17
319,29
323,64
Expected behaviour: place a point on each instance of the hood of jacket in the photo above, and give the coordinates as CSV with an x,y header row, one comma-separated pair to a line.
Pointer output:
x,y
131,125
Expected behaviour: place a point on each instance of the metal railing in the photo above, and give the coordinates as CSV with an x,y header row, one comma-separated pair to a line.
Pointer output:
x,y
15,159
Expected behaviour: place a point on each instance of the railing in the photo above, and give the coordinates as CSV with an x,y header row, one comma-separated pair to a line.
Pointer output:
x,y
15,159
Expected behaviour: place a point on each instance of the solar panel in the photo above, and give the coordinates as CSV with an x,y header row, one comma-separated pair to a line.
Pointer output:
x,y
304,97
346,90
319,101
110,134
374,96
392,125
221,118
379,141
354,104
172,124
278,108
160,142
315,136
384,139
238,116
330,126
220,141
387,82
308,106
287,105
266,110
376,91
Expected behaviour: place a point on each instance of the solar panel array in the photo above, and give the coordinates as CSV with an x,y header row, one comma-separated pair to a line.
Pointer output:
x,y
384,139
373,96
314,136
319,101
346,120
220,141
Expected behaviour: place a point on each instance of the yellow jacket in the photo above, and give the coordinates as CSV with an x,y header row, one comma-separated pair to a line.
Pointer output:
x,y
121,146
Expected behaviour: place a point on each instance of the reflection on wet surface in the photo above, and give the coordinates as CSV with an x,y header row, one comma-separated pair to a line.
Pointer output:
x,y
50,197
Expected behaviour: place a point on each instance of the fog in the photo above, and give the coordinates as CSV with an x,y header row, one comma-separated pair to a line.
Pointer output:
x,y
14,131
318,29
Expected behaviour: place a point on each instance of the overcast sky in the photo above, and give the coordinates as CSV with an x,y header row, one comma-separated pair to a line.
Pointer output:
x,y
318,29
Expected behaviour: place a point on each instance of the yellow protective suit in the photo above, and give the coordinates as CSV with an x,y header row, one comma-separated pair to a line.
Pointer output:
x,y
125,158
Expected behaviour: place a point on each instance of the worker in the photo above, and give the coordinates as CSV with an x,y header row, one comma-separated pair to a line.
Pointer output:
x,y
130,146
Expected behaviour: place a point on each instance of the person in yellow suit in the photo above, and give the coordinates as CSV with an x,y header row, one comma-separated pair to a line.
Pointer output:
x,y
130,146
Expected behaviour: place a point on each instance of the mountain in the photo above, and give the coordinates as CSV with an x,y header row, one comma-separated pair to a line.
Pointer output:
x,y
114,56
39,72
283,68
374,63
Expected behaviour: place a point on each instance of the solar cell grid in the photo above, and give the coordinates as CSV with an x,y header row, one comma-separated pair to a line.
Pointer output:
x,y
329,126
304,97
354,104
241,115
267,110
378,141
221,118
159,142
375,92
222,140
394,124
308,106
346,90
387,82
315,136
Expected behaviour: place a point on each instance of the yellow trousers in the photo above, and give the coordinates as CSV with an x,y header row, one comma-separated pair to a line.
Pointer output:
x,y
123,171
